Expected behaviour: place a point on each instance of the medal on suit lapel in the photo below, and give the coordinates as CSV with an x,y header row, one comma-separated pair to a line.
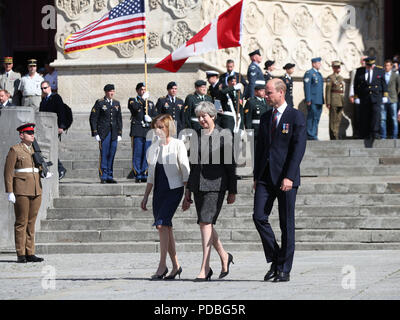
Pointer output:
x,y
285,128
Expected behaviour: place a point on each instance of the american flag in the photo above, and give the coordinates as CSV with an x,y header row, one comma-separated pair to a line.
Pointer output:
x,y
123,23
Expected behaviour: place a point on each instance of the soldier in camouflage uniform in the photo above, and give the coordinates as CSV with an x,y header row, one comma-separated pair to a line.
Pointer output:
x,y
335,99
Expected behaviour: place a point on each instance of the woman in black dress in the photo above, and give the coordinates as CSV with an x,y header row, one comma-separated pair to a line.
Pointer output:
x,y
168,173
209,182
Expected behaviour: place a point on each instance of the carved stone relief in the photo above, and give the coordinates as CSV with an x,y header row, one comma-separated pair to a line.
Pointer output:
x,y
254,18
372,27
154,4
351,56
114,3
211,8
99,5
62,35
303,21
127,49
329,22
73,9
180,8
278,52
153,40
179,34
302,55
328,54
278,20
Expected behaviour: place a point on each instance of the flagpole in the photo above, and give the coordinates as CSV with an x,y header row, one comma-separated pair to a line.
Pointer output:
x,y
240,81
145,72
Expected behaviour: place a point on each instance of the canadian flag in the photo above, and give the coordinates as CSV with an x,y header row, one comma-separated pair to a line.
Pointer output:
x,y
225,31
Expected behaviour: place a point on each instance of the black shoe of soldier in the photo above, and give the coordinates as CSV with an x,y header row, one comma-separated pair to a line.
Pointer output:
x,y
33,258
21,259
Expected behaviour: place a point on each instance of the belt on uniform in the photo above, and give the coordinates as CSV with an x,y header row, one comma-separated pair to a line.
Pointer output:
x,y
194,119
26,170
32,96
341,92
256,121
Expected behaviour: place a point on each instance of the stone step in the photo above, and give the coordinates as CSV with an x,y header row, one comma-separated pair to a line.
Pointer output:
x,y
244,186
242,200
237,235
389,161
153,247
224,223
383,211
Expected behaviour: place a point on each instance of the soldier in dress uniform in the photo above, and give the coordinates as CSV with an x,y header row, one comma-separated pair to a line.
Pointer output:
x,y
288,80
255,107
254,72
334,93
9,80
191,102
30,86
223,79
24,188
230,97
314,97
106,126
173,106
215,86
370,91
269,67
142,111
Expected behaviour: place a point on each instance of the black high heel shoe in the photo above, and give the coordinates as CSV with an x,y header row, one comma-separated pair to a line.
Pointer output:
x,y
159,276
207,278
172,276
230,260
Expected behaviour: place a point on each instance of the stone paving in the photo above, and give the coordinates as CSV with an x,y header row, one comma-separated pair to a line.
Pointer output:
x,y
333,275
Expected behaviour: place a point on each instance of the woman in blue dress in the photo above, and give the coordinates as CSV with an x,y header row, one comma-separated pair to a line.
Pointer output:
x,y
168,174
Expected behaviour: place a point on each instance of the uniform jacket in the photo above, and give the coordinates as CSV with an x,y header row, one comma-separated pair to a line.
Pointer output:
x,y
214,92
334,91
253,111
289,89
21,183
191,102
11,84
284,150
267,77
217,177
313,87
55,104
137,107
176,109
370,92
225,120
106,118
223,79
254,73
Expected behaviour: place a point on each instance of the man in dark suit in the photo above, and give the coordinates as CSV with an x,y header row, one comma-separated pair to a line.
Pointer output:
x,y
52,102
106,126
371,91
4,99
223,79
280,149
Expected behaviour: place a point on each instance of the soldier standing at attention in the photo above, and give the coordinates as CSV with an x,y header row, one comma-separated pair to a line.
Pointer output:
x,y
30,87
24,188
334,93
254,72
173,106
9,80
191,102
288,80
140,126
314,97
215,85
106,125
269,67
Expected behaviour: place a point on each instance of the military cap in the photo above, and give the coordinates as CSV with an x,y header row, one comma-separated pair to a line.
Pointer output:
x,y
254,53
212,73
268,64
318,59
32,62
140,85
200,83
370,60
8,59
26,127
231,78
109,87
260,84
171,84
289,66
336,64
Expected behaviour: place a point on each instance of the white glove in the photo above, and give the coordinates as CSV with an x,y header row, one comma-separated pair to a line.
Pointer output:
x,y
357,101
98,138
146,95
119,138
238,86
49,175
147,118
385,100
11,197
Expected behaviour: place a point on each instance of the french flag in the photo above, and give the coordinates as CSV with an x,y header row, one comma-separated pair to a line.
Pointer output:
x,y
225,31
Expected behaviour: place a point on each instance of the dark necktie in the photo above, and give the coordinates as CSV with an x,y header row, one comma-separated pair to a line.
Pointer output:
x,y
369,76
274,121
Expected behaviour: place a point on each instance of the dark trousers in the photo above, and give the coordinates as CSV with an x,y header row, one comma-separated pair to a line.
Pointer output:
x,y
139,161
264,199
108,148
370,119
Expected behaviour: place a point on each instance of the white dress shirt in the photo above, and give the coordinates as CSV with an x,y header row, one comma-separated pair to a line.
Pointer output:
x,y
281,110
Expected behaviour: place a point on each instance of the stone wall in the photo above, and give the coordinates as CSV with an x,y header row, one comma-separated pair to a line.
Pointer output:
x,y
46,134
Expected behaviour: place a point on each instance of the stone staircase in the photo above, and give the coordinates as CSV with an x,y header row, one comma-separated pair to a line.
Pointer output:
x,y
349,199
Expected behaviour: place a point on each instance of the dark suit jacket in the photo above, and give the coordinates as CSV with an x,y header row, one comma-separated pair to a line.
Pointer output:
x,y
282,151
370,92
217,177
55,104
8,104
